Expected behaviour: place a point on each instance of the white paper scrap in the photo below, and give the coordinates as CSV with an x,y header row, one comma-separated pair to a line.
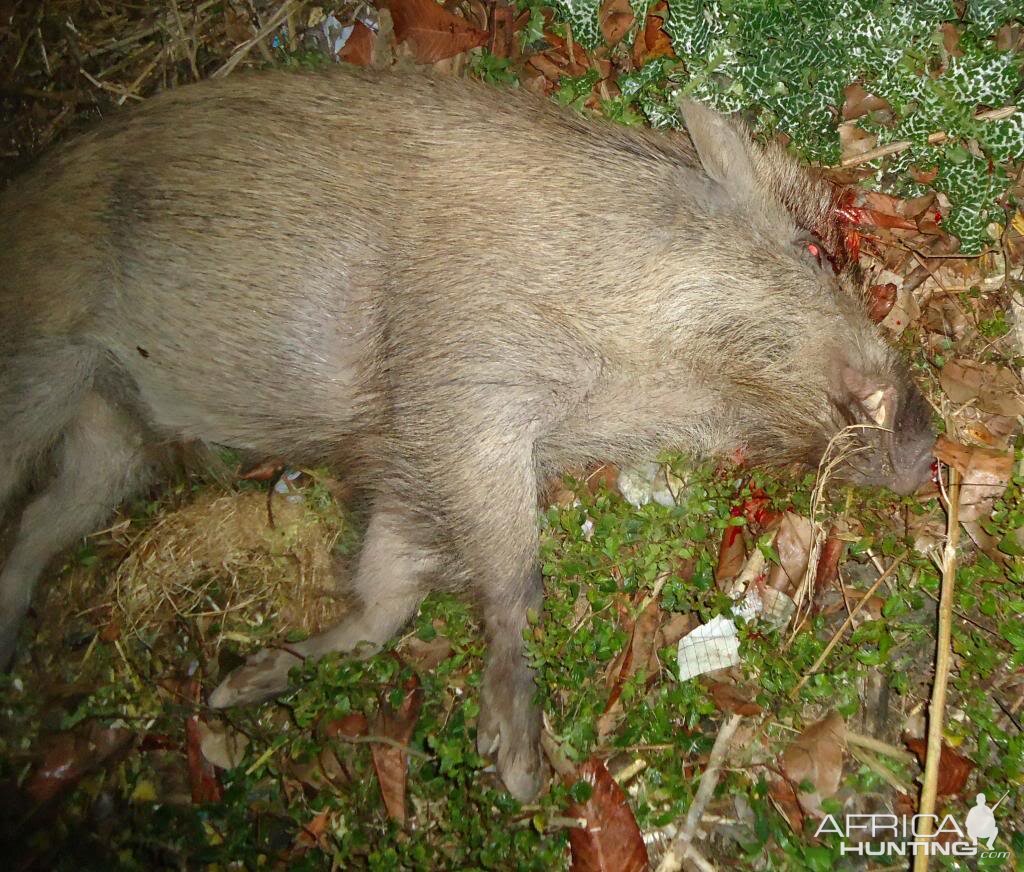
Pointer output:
x,y
716,644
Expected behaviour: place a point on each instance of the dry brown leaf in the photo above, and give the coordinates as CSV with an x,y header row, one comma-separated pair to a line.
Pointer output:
x,y
358,48
677,626
924,177
313,835
854,140
990,387
425,656
985,473
555,491
828,563
954,768
905,310
635,658
202,776
616,19
783,794
69,755
733,699
992,431
816,756
858,102
951,38
652,41
320,772
917,207
391,762
264,471
611,841
237,26
221,745
431,31
349,726
548,69
502,30
883,206
602,475
732,555
881,299
793,545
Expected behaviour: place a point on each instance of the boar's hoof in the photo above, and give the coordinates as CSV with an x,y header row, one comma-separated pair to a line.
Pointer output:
x,y
264,675
515,735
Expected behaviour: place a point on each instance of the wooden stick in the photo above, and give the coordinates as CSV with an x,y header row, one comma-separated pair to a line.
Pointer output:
x,y
846,625
880,747
239,53
681,849
936,138
943,657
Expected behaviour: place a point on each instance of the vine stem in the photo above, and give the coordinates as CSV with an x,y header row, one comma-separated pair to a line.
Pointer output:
x,y
936,138
943,657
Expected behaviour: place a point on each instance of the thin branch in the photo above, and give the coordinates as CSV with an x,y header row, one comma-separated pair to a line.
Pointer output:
x,y
681,849
383,740
936,138
846,625
880,747
943,657
240,53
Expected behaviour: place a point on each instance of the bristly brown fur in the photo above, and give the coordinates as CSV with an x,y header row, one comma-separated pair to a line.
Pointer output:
x,y
446,289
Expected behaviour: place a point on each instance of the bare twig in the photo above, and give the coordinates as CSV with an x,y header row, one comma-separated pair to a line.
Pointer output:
x,y
846,625
889,777
880,747
681,848
240,53
937,706
121,92
383,740
188,44
936,138
556,756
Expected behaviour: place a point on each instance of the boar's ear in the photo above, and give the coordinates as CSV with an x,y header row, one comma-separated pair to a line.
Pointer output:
x,y
722,145
875,400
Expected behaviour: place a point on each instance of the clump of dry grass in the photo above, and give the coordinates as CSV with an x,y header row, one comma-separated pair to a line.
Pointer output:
x,y
65,62
218,560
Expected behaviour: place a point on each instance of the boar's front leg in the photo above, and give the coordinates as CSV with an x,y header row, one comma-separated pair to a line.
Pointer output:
x,y
393,571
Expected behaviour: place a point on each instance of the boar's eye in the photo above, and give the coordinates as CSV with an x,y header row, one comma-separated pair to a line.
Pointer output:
x,y
811,247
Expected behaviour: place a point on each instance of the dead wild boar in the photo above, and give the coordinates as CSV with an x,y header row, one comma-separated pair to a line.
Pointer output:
x,y
447,289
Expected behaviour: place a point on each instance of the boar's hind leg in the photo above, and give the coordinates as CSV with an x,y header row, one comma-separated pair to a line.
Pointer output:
x,y
510,720
390,581
494,526
40,388
99,462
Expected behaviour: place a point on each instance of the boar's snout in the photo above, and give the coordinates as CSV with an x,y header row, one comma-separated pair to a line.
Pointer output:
x,y
910,473
912,443
894,431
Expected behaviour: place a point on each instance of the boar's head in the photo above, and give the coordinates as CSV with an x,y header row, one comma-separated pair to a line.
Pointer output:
x,y
794,347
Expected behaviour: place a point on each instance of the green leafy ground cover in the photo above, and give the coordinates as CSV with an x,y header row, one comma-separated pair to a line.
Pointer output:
x,y
789,61
133,812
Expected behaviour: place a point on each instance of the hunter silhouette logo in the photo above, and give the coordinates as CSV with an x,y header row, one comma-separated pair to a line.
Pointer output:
x,y
889,835
981,823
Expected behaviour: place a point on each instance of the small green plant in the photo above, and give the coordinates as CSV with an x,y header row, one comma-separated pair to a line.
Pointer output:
x,y
787,63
